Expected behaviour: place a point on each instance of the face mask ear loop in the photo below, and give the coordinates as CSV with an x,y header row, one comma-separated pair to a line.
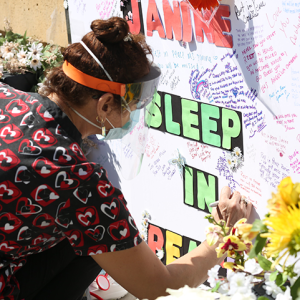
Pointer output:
x,y
100,64
95,58
84,118
126,105
110,123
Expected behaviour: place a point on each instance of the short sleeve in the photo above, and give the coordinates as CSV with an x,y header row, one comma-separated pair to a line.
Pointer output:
x,y
95,218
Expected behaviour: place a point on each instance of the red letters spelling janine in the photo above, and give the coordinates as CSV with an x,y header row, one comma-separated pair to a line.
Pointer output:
x,y
211,23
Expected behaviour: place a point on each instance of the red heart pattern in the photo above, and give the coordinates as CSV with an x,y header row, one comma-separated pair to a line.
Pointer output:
x,y
10,133
44,113
17,107
98,249
49,191
44,167
43,221
26,208
119,230
8,192
87,216
105,189
44,138
111,209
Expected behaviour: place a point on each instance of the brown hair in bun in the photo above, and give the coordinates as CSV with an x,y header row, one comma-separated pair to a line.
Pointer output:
x,y
125,61
111,31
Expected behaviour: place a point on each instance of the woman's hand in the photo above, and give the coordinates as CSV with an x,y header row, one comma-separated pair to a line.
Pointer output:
x,y
231,207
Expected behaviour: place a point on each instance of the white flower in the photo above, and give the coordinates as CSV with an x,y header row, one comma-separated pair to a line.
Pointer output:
x,y
271,287
188,293
144,229
145,223
22,56
160,253
237,151
144,236
241,296
252,267
229,158
35,63
7,51
42,89
239,283
213,276
224,288
146,215
286,295
35,50
233,162
213,233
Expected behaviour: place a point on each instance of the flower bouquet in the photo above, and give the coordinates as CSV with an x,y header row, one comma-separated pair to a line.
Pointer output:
x,y
24,60
265,269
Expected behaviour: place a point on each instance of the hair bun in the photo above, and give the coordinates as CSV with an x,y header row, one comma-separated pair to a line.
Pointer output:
x,y
112,30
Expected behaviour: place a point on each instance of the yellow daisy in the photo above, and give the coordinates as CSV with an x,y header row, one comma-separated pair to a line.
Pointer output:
x,y
284,232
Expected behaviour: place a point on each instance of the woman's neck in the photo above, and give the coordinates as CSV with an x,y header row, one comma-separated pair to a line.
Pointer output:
x,y
83,127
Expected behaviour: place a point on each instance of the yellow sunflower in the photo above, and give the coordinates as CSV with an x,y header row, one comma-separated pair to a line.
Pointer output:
x,y
276,204
284,232
289,191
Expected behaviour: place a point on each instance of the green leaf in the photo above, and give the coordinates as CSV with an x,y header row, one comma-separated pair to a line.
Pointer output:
x,y
295,288
216,287
262,298
264,263
47,47
258,246
257,225
273,276
279,280
284,277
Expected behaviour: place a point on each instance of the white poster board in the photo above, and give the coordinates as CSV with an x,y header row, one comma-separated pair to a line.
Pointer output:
x,y
230,78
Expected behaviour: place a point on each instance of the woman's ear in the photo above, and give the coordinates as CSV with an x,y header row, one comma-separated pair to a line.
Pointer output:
x,y
105,105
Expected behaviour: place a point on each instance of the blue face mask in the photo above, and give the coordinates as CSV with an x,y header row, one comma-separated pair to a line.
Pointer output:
x,y
118,133
115,133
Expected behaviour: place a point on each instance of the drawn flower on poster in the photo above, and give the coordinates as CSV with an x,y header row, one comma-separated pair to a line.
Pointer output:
x,y
145,224
235,159
224,170
178,161
160,253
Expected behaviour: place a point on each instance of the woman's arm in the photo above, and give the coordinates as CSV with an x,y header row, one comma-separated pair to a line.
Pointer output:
x,y
140,272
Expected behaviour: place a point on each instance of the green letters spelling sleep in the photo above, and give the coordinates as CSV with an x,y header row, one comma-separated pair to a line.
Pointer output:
x,y
205,123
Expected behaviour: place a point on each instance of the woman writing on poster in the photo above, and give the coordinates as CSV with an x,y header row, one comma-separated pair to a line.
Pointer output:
x,y
61,220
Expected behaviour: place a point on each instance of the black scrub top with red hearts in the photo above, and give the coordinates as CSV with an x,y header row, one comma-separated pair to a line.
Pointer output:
x,y
48,189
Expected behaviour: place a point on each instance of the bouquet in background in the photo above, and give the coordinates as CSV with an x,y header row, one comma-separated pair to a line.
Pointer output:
x,y
267,269
20,54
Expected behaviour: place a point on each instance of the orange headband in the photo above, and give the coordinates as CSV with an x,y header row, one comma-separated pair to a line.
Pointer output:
x,y
93,82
